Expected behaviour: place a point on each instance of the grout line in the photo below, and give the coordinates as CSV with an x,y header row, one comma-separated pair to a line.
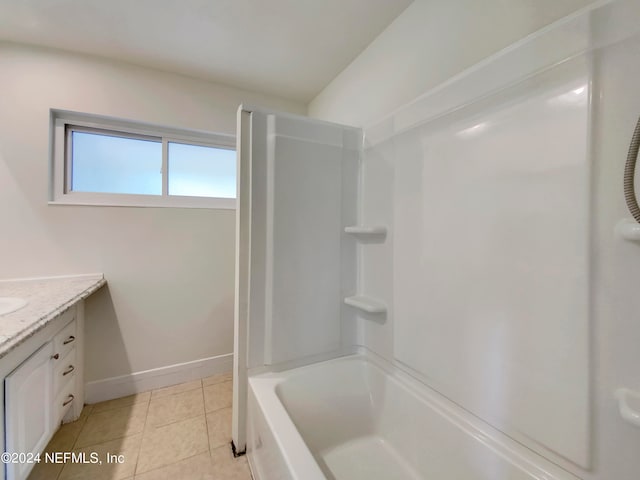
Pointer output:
x,y
176,393
168,465
206,422
59,472
93,412
75,440
217,409
215,383
105,441
142,435
156,427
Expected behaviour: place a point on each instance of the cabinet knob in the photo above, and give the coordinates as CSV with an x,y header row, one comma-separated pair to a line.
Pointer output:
x,y
69,340
55,357
69,369
68,401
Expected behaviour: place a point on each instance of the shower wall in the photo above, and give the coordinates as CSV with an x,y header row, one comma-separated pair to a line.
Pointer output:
x,y
507,290
491,259
304,190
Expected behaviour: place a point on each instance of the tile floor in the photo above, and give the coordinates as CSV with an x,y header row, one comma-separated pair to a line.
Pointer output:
x,y
180,432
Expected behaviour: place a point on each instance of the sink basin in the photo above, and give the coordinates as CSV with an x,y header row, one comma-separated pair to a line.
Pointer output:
x,y
11,304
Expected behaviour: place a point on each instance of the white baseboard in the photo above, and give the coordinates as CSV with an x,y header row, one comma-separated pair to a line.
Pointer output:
x,y
116,387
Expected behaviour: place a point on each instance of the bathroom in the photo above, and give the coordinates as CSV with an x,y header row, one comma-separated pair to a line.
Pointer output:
x,y
540,226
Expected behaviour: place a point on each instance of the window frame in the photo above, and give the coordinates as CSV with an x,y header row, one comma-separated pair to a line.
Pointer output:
x,y
63,123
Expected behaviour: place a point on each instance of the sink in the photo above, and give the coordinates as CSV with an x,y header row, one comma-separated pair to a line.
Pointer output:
x,y
11,304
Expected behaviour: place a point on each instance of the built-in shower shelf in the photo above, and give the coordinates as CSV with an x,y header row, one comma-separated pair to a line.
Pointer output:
x,y
366,230
629,230
367,304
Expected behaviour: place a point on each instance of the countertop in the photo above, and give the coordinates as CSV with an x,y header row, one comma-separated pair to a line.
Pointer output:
x,y
47,297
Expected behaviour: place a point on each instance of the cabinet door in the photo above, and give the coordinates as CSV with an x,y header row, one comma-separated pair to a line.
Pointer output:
x,y
28,409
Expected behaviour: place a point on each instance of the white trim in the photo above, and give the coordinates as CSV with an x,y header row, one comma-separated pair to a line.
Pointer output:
x,y
144,128
132,200
269,248
60,180
165,167
116,387
242,285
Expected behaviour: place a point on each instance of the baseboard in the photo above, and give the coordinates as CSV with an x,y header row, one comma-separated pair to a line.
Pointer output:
x,y
116,387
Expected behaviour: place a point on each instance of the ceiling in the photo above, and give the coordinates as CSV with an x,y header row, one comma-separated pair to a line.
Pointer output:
x,y
288,48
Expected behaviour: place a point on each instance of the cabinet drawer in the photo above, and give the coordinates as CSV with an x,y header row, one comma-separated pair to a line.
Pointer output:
x,y
63,401
64,369
66,339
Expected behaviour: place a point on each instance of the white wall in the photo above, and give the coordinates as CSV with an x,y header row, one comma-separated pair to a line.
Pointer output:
x,y
431,41
170,272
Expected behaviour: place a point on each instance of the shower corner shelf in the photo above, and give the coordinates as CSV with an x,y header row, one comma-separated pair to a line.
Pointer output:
x,y
366,230
629,230
367,304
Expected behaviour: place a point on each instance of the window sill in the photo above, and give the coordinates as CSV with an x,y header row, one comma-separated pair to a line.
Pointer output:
x,y
143,201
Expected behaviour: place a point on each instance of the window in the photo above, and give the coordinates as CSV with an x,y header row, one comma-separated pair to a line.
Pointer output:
x,y
103,161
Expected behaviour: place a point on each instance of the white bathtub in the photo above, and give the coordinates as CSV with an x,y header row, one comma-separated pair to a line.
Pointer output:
x,y
352,419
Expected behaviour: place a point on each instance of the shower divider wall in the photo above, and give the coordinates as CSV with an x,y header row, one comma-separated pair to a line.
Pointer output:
x,y
298,191
457,246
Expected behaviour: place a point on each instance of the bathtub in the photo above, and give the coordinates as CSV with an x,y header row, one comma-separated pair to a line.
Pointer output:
x,y
355,418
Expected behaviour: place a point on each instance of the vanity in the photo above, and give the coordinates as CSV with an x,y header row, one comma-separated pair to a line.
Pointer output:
x,y
41,362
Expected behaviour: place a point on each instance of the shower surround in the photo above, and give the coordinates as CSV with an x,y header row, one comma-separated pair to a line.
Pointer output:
x,y
431,297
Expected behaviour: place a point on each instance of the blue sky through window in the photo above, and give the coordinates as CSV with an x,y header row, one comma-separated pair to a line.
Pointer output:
x,y
109,164
195,170
104,163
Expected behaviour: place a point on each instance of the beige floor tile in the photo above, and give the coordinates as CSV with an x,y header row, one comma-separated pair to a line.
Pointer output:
x,y
45,471
182,387
198,467
169,444
218,396
65,437
221,377
121,402
173,408
116,423
163,434
219,427
225,466
127,447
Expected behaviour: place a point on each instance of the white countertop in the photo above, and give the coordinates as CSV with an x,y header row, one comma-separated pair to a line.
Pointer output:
x,y
47,297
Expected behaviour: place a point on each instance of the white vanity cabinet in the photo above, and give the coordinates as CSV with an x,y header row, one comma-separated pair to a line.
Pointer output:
x,y
28,408
43,390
